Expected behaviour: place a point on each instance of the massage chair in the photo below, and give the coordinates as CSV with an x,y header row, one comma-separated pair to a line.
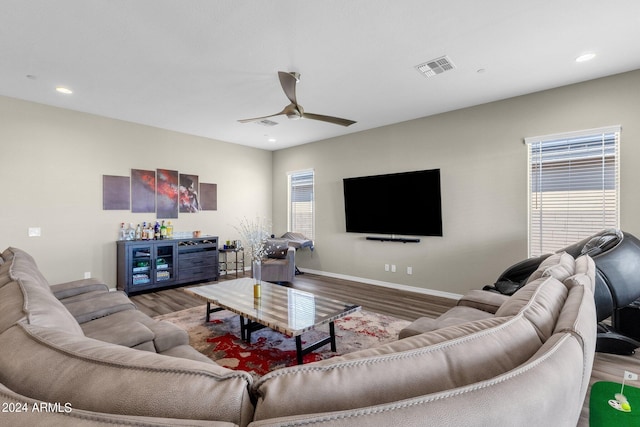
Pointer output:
x,y
617,289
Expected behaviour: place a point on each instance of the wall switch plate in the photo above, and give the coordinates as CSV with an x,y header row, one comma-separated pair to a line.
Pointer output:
x,y
35,232
386,267
409,270
393,268
87,275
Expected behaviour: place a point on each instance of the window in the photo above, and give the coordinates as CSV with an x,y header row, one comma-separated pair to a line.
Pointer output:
x,y
573,187
301,203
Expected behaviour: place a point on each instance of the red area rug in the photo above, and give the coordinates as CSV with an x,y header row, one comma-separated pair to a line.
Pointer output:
x,y
220,338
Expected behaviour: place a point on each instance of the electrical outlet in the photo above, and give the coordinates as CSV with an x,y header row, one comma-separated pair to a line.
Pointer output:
x,y
35,232
393,268
386,267
409,270
87,275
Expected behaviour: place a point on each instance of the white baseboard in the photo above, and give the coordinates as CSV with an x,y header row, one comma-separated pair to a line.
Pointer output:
x,y
398,286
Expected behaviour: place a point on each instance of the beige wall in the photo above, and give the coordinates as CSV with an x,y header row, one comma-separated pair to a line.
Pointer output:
x,y
52,162
483,164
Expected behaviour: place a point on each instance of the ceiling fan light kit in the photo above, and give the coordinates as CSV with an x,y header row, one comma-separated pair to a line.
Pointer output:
x,y
294,111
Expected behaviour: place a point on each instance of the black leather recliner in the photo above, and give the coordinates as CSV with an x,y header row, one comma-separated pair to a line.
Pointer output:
x,y
617,258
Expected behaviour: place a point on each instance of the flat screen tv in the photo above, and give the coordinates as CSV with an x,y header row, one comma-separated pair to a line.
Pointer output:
x,y
406,203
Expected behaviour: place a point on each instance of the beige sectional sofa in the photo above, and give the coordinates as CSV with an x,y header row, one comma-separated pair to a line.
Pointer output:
x,y
522,360
109,363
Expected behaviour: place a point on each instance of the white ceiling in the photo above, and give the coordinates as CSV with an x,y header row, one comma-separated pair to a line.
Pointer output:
x,y
198,66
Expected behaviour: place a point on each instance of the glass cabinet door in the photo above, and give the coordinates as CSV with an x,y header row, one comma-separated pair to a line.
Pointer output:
x,y
164,262
141,265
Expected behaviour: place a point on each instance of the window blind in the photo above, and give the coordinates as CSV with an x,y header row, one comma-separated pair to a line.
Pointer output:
x,y
301,203
573,187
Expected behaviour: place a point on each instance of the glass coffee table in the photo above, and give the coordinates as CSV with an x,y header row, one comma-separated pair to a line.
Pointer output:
x,y
288,311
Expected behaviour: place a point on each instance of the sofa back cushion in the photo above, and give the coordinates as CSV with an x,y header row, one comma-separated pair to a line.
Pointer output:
x,y
29,291
12,303
587,266
560,266
44,309
539,301
430,362
25,267
5,277
6,255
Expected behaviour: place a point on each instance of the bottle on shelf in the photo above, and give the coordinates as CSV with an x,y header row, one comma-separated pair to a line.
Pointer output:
x,y
131,232
156,231
138,232
163,231
123,232
169,230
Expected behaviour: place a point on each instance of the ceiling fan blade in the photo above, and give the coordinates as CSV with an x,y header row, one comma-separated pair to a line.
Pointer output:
x,y
328,119
288,82
257,119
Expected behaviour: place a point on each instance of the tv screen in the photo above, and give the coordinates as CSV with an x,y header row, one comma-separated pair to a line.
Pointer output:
x,y
405,203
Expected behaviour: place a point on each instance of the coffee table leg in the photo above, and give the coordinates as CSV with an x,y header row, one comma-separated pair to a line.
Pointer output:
x,y
244,330
332,336
331,339
299,352
211,310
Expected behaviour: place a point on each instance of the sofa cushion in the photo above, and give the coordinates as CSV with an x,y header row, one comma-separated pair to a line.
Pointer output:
x,y
454,316
100,305
540,301
5,277
30,292
426,363
106,329
102,377
163,335
43,309
12,302
560,266
419,326
579,280
482,300
167,335
7,254
78,287
24,267
185,351
586,265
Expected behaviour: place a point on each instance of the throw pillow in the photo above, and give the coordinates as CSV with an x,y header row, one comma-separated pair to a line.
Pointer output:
x,y
276,249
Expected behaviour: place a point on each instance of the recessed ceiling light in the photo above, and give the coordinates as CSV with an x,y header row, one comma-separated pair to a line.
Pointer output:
x,y
586,57
64,90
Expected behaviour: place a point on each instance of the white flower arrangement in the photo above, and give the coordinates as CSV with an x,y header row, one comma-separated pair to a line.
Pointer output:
x,y
254,235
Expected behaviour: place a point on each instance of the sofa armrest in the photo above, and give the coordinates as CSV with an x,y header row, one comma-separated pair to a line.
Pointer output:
x,y
291,260
483,300
77,287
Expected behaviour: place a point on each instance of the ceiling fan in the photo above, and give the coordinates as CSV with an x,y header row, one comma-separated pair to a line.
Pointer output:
x,y
294,110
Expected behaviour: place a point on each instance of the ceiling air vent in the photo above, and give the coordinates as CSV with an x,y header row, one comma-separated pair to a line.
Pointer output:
x,y
267,122
435,66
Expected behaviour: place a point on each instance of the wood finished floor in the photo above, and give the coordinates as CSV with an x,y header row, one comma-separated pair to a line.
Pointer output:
x,y
397,303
